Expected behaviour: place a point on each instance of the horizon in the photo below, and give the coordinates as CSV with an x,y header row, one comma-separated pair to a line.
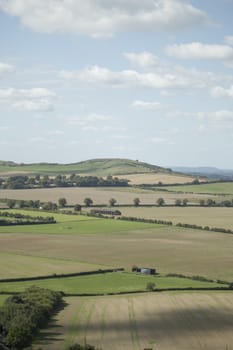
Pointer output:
x,y
151,81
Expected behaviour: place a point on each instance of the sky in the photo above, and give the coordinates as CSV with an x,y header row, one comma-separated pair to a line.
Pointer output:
x,y
150,80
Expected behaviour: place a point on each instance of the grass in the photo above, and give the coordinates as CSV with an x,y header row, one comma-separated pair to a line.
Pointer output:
x,y
105,283
114,243
212,188
167,321
100,167
2,299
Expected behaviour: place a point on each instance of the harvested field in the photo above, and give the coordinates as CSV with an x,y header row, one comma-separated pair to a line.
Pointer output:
x,y
150,178
204,216
116,243
100,195
159,321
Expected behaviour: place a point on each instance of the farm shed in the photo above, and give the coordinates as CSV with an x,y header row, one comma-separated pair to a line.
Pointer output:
x,y
144,270
105,211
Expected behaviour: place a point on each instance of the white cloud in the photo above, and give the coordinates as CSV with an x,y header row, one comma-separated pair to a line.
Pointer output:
x,y
142,59
103,18
160,140
146,105
35,99
197,50
163,76
228,40
5,68
219,91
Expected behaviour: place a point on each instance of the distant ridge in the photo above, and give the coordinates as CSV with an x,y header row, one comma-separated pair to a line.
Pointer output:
x,y
210,172
98,167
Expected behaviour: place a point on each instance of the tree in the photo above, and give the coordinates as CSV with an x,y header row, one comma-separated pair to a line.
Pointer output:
x,y
160,202
88,201
178,202
77,207
112,202
11,203
150,286
185,202
62,202
136,201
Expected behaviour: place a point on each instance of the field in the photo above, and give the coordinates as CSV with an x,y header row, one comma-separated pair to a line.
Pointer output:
x,y
148,178
157,320
114,243
212,188
212,217
115,282
161,321
102,195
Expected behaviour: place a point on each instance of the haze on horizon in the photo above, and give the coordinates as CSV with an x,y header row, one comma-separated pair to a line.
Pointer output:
x,y
149,80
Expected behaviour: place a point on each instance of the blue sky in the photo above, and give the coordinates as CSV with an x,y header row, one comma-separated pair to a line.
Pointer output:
x,y
150,80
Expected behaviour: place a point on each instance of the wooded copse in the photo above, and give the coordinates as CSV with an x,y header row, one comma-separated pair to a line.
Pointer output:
x,y
23,314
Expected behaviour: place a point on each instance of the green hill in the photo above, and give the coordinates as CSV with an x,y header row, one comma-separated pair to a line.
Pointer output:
x,y
98,167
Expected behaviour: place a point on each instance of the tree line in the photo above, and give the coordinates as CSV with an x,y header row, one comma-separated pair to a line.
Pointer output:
x,y
46,181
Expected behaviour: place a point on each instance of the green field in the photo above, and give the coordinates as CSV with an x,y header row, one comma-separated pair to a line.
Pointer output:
x,y
3,298
212,188
113,243
99,167
105,283
158,321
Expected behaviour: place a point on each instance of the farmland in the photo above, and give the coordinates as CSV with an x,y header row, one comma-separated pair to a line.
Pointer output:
x,y
114,243
115,282
77,243
213,217
211,188
101,195
164,321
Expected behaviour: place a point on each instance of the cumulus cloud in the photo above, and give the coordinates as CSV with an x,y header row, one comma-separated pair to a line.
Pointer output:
x,y
35,99
5,68
162,76
103,18
197,50
146,105
219,91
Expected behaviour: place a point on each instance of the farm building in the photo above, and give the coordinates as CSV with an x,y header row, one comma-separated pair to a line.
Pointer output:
x,y
144,270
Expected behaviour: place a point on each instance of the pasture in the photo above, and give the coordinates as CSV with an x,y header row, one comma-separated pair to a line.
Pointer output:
x,y
204,216
211,188
158,321
114,243
115,282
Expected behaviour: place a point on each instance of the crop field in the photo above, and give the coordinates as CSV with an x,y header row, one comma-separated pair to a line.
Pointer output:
x,y
113,243
150,178
204,216
212,188
114,282
158,321
101,195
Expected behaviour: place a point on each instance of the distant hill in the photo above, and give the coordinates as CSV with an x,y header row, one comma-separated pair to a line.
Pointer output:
x,y
98,167
210,172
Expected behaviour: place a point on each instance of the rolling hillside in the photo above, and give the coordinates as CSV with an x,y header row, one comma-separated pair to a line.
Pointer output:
x,y
98,167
